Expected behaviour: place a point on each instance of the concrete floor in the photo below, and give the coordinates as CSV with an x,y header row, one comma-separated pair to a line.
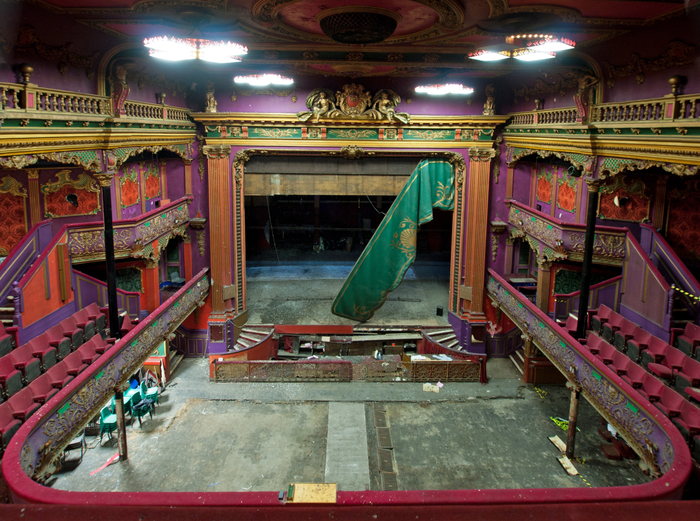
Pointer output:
x,y
243,437
301,292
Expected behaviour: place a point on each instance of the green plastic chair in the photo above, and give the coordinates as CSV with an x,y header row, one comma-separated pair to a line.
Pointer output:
x,y
149,392
127,405
138,412
108,422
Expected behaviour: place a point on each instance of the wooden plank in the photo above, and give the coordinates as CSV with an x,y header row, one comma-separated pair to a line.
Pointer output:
x,y
312,493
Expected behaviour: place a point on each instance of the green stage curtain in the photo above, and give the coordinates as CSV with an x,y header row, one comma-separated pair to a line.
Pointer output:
x,y
392,249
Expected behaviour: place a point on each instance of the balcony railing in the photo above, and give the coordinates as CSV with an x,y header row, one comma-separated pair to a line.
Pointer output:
x,y
30,99
566,240
651,434
132,237
41,439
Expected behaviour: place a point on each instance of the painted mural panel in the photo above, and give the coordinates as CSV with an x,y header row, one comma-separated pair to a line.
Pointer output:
x,y
567,192
544,184
682,231
13,214
151,176
129,186
69,196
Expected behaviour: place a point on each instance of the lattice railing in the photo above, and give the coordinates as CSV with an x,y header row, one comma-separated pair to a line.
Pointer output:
x,y
266,371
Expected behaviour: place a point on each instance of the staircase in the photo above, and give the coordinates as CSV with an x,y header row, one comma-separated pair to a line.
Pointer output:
x,y
251,336
518,359
445,337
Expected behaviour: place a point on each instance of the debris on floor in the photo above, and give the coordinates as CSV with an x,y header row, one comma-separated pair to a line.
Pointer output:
x,y
430,388
568,466
558,443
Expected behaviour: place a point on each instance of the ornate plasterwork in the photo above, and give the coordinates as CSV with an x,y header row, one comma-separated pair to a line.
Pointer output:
x,y
9,185
678,53
580,161
63,55
613,166
353,102
481,154
267,14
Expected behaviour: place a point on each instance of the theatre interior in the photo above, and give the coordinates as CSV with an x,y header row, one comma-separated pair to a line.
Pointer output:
x,y
349,259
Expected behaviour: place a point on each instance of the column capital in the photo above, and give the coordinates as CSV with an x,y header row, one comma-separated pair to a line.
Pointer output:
x,y
104,178
593,184
544,264
241,158
481,154
33,174
217,151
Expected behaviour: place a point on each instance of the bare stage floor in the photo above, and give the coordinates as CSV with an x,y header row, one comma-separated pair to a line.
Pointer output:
x,y
302,293
260,437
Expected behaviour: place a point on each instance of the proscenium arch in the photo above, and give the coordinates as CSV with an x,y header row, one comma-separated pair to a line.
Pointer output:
x,y
350,153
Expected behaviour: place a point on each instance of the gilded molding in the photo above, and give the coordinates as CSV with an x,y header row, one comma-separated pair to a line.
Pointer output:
x,y
104,178
9,185
632,165
217,151
481,154
353,102
677,54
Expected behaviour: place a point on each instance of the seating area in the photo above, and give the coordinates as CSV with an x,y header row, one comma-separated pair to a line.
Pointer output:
x,y
667,376
30,374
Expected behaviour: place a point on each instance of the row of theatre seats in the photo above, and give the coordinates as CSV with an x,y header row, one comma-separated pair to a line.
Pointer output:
x,y
667,376
32,373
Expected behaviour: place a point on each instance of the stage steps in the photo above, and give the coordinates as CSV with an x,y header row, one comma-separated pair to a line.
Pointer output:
x,y
518,359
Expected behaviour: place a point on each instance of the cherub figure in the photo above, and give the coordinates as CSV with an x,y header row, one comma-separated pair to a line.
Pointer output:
x,y
383,106
319,104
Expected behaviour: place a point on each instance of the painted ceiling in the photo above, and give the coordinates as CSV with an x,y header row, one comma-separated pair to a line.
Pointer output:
x,y
432,37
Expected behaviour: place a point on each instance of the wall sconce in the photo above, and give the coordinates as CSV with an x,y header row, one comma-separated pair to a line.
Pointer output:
x,y
72,199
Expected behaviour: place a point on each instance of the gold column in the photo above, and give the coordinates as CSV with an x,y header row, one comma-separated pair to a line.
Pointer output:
x,y
219,225
34,200
188,176
163,181
239,162
142,186
457,253
544,279
509,180
472,291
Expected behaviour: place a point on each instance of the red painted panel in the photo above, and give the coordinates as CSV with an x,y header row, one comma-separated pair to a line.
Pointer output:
x,y
14,222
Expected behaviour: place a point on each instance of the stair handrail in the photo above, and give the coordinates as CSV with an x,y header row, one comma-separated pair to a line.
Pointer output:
x,y
566,298
42,438
648,431
7,277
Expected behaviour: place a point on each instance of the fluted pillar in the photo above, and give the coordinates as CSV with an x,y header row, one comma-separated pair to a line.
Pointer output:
x,y
544,278
219,227
34,194
475,237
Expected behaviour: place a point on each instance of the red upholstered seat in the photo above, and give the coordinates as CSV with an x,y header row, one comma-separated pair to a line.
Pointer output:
x,y
25,362
6,341
620,363
614,323
87,353
74,364
10,377
593,342
8,424
95,314
570,326
127,325
655,352
606,352
670,402
651,387
43,351
622,335
99,344
84,322
41,389
600,317
59,376
23,405
635,375
689,340
71,330
57,339
642,340
688,422
688,375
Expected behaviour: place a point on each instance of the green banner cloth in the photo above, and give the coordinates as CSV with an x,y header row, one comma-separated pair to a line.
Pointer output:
x,y
392,249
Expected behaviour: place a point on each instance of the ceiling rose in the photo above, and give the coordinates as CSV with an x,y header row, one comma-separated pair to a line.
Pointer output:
x,y
358,24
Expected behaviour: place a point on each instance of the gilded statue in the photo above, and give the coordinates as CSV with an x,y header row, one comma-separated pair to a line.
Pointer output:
x,y
353,102
211,104
490,105
319,104
584,82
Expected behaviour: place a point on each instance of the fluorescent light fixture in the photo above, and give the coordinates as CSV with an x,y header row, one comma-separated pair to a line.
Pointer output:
x,y
531,55
261,80
441,90
489,56
177,49
552,44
